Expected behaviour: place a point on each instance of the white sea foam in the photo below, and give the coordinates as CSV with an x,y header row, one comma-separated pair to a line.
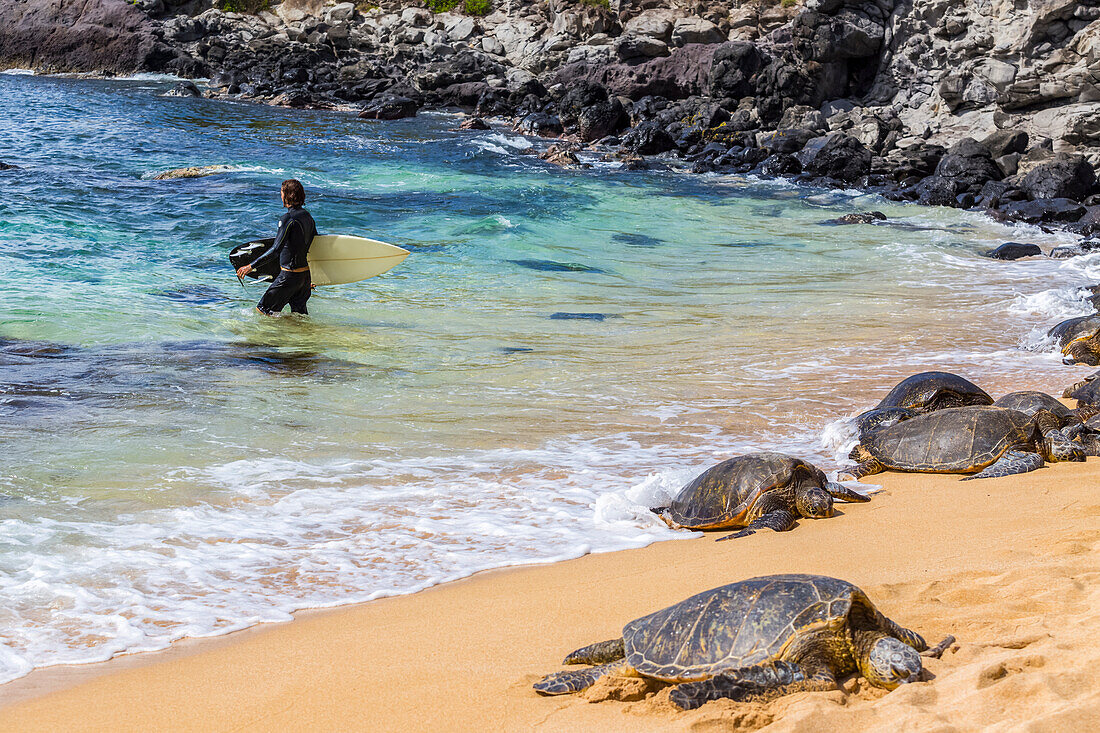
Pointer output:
x,y
19,72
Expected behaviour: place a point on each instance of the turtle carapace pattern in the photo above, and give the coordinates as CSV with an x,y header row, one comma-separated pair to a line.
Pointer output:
x,y
755,491
983,440
929,391
754,641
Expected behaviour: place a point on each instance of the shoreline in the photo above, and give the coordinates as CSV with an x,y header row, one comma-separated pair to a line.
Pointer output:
x,y
1003,564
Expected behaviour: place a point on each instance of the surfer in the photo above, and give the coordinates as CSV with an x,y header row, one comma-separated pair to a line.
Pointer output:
x,y
296,232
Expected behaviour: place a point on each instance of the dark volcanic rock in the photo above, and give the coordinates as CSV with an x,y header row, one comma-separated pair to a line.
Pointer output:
x,y
837,156
473,123
1066,176
1006,142
684,73
80,35
8,166
780,164
1013,251
935,191
184,89
601,119
539,123
1043,211
969,164
734,67
389,108
648,138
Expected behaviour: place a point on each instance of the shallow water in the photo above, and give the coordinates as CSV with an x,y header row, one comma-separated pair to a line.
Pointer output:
x,y
560,348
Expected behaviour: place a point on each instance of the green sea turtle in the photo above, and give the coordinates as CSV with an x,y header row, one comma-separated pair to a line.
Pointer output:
x,y
756,640
881,417
755,491
986,441
1079,339
930,391
1086,392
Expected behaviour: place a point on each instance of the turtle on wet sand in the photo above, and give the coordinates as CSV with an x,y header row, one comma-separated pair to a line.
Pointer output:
x,y
1074,424
986,441
754,641
1079,339
930,391
755,491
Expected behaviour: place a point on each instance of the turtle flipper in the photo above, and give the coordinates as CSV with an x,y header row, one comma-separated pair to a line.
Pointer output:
x,y
1011,462
866,468
751,684
838,491
561,683
780,520
599,653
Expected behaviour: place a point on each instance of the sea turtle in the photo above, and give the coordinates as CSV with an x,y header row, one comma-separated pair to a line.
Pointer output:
x,y
930,391
881,417
984,440
1079,339
755,491
756,640
1086,392
1078,425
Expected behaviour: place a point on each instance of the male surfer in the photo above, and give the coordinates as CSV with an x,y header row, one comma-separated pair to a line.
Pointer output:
x,y
296,233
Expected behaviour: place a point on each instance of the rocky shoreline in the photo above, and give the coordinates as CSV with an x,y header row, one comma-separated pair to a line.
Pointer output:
x,y
978,105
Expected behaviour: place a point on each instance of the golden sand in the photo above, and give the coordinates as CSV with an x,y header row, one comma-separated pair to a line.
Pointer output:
x,y
1010,566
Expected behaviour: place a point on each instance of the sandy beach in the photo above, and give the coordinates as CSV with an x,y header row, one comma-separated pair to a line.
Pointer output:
x,y
1009,566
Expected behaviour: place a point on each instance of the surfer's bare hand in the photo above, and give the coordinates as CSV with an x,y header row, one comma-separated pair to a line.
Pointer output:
x,y
244,270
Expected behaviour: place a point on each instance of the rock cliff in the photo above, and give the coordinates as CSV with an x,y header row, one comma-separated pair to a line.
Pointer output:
x,y
991,103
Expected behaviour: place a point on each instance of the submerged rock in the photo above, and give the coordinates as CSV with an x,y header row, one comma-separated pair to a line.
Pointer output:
x,y
193,172
184,89
866,217
8,166
1013,251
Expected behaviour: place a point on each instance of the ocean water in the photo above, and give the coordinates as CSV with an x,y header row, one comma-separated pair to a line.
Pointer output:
x,y
561,350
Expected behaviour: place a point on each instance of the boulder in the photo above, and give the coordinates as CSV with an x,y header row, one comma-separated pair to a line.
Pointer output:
x,y
651,24
785,140
648,138
695,30
734,69
969,164
780,164
560,155
865,217
473,123
683,73
539,123
184,89
390,107
1065,176
836,156
935,191
1013,251
1043,211
601,119
632,48
1006,142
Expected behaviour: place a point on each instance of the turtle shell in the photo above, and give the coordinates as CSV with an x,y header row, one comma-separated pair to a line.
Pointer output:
x,y
956,440
1086,392
733,493
1031,402
741,624
929,391
1072,329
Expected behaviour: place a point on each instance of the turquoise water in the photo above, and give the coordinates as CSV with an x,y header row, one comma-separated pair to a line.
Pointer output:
x,y
560,348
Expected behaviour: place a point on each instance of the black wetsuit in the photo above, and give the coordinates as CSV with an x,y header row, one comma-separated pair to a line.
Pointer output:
x,y
296,233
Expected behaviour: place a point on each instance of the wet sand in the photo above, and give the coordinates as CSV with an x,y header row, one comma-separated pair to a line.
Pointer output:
x,y
1009,566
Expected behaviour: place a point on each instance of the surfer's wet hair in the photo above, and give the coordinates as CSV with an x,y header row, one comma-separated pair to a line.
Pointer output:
x,y
293,193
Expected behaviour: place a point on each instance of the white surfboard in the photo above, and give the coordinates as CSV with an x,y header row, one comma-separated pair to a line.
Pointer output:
x,y
336,259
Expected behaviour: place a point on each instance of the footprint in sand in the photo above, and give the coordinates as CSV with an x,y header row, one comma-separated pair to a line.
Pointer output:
x,y
997,672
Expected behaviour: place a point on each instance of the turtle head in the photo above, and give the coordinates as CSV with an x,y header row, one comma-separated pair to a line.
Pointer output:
x,y
1080,352
813,502
890,663
1057,447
